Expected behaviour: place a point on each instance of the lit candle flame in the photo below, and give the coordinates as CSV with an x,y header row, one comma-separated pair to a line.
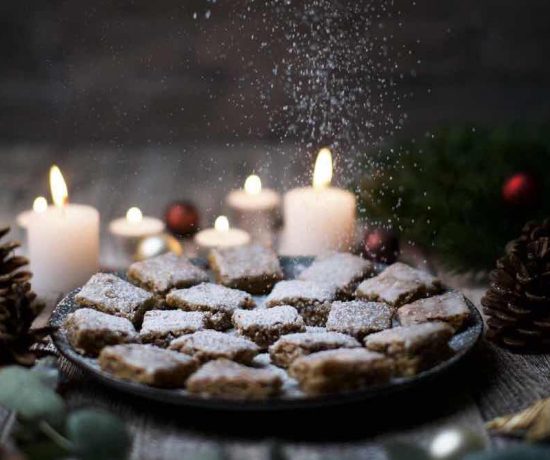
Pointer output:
x,y
221,224
134,215
40,205
322,174
58,187
253,185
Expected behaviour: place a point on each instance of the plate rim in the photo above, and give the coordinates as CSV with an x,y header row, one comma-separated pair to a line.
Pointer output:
x,y
179,397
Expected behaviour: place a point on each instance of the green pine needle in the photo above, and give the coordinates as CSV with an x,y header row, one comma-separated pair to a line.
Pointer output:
x,y
444,192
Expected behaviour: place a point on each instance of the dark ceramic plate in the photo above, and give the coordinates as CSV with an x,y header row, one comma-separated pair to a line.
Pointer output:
x,y
462,344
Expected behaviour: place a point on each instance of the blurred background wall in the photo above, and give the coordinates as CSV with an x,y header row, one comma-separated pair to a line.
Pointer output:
x,y
171,71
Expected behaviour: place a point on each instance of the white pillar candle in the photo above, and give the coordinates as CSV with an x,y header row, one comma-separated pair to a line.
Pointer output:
x,y
255,209
221,236
319,218
63,243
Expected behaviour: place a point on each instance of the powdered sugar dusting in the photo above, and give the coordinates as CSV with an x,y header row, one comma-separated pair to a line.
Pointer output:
x,y
211,296
165,272
340,269
358,318
298,290
214,342
158,321
112,294
397,284
349,355
89,319
148,357
223,369
326,339
282,315
247,261
410,337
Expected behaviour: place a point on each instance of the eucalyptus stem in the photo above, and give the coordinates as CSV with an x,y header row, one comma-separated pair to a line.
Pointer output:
x,y
55,436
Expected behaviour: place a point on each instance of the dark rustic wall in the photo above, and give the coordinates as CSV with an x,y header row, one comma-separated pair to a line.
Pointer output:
x,y
125,72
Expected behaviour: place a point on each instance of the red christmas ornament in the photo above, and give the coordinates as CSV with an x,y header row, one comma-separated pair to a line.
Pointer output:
x,y
521,189
381,245
182,218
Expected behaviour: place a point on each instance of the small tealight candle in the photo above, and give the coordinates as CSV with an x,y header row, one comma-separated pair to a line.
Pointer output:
x,y
255,209
39,205
63,242
319,218
130,231
135,225
221,236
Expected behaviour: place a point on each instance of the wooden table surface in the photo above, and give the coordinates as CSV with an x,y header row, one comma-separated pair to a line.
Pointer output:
x,y
491,383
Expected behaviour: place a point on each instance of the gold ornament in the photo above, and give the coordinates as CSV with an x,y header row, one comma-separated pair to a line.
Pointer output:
x,y
152,246
532,423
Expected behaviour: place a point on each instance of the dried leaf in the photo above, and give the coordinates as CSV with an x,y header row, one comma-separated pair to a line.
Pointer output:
x,y
538,414
540,428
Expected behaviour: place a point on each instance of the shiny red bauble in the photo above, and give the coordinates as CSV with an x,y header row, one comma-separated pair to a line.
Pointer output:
x,y
381,245
182,218
521,189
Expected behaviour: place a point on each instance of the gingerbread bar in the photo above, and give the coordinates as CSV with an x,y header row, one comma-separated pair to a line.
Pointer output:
x,y
209,345
112,295
311,299
332,371
450,308
219,301
315,329
226,379
341,269
292,346
251,268
398,284
163,273
88,331
413,348
358,318
160,327
265,326
147,364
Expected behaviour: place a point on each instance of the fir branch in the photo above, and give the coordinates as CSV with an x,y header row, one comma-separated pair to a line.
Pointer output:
x,y
444,192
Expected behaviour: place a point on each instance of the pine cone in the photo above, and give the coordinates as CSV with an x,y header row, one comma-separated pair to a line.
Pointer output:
x,y
18,307
518,300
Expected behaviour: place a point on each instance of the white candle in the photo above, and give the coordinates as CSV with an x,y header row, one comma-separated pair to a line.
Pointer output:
x,y
136,225
39,205
255,209
319,218
221,236
253,197
63,242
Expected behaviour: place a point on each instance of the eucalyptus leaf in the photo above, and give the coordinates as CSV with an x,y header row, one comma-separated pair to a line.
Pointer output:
x,y
24,392
98,435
